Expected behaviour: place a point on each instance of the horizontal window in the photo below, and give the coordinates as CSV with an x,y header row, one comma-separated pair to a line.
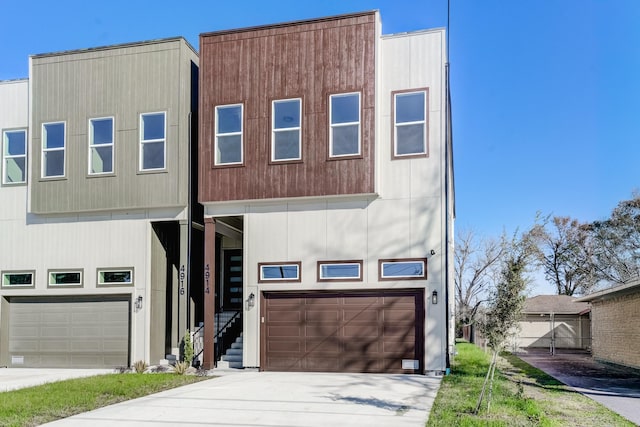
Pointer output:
x,y
402,269
286,130
14,156
410,123
228,142
60,278
115,277
18,279
279,272
339,271
344,136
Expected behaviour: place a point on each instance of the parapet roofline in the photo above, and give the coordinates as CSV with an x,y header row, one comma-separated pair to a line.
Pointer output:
x,y
290,23
414,32
115,46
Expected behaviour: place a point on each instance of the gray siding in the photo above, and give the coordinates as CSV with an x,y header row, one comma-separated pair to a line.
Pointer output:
x,y
122,82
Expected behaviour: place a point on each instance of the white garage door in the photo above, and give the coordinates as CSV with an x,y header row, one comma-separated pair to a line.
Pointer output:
x,y
69,332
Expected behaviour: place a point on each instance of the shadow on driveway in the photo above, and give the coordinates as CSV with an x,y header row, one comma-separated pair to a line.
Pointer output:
x,y
614,386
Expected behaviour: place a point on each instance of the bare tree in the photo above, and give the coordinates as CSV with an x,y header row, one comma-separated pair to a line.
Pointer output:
x,y
476,260
617,242
565,253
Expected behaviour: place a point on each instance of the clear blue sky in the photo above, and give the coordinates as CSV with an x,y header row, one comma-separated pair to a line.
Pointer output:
x,y
546,93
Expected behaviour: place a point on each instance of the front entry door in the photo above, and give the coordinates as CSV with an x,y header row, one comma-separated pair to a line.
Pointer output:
x,y
232,280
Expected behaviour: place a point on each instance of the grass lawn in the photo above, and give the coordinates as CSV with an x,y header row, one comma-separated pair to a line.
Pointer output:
x,y
45,403
522,396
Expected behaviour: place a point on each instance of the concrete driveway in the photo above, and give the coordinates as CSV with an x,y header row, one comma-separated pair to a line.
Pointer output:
x,y
282,399
616,387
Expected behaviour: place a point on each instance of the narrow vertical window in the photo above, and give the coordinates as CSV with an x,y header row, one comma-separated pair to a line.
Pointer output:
x,y
286,125
53,146
228,142
152,141
410,123
344,113
14,156
101,146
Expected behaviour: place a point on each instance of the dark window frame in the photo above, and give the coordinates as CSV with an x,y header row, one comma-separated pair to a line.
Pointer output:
x,y
359,262
298,264
402,260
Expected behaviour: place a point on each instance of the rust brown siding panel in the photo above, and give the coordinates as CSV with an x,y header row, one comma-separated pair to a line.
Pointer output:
x,y
309,61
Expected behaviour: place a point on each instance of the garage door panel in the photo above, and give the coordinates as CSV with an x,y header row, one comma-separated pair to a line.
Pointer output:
x,y
365,331
330,345
361,346
319,330
284,331
362,315
283,346
69,331
312,301
315,315
284,316
361,300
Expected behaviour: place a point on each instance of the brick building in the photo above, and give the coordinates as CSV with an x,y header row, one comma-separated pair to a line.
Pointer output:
x,y
615,323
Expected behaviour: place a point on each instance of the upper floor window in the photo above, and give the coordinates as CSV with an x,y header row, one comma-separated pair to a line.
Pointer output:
x,y
344,137
152,141
101,146
53,146
228,142
14,156
410,123
287,126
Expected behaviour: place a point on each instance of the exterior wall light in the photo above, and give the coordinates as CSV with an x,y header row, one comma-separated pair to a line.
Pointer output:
x,y
434,297
251,301
138,303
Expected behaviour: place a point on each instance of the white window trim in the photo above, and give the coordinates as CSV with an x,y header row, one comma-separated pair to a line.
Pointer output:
x,y
297,265
100,282
112,145
65,285
332,125
13,272
48,150
143,141
6,156
288,129
422,276
396,125
218,134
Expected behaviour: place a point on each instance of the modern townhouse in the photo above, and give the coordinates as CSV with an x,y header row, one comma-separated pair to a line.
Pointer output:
x,y
325,173
97,209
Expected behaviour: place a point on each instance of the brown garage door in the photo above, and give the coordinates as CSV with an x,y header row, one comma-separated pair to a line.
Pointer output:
x,y
343,332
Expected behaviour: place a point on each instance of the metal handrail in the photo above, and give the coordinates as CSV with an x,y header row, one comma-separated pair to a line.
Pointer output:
x,y
221,345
